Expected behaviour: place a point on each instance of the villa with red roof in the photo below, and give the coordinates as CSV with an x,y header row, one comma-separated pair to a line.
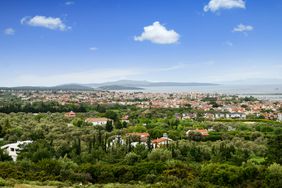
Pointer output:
x,y
203,132
159,142
70,114
143,136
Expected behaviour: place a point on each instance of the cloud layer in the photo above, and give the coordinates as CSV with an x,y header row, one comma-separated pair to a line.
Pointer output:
x,y
93,49
9,31
68,3
46,22
243,28
215,5
157,33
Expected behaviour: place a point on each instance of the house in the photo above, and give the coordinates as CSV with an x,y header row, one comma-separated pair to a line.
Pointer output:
x,y
143,136
125,119
203,132
237,115
14,148
70,114
209,116
97,121
163,141
219,115
117,140
279,117
189,116
134,144
234,115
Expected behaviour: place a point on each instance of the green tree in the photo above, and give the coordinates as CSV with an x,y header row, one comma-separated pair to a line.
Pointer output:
x,y
274,149
131,158
77,122
160,155
112,115
221,174
109,126
118,124
274,176
4,156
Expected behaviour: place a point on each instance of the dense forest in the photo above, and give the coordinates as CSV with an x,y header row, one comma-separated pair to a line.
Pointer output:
x,y
68,151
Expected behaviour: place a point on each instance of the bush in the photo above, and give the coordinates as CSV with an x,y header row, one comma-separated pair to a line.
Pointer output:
x,y
221,174
160,155
131,158
2,182
274,176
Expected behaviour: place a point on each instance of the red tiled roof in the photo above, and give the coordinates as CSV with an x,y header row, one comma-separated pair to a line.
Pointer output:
x,y
70,114
158,140
204,132
139,134
96,119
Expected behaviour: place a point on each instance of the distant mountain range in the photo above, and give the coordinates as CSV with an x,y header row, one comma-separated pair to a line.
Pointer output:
x,y
66,87
132,83
116,85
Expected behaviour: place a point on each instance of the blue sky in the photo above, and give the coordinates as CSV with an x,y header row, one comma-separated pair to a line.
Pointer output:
x,y
83,41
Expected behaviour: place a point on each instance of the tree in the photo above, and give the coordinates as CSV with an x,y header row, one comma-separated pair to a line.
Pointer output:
x,y
273,176
131,158
160,155
274,149
4,156
112,115
2,133
118,124
37,151
109,126
77,122
221,174
124,124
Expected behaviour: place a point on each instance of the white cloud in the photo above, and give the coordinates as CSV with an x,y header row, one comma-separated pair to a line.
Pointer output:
x,y
243,28
215,5
157,33
9,31
46,22
69,3
93,49
228,43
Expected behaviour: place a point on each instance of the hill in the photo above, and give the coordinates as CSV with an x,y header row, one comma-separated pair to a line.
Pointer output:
x,y
132,83
117,87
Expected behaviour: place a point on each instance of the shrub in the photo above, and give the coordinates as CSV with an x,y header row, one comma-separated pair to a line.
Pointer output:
x,y
160,155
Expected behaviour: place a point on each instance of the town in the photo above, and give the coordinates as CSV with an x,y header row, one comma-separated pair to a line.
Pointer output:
x,y
149,139
208,106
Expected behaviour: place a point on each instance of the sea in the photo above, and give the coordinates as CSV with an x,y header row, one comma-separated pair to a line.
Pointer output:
x,y
263,92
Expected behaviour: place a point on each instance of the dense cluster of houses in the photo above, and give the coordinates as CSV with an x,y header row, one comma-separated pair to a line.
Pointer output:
x,y
184,116
222,106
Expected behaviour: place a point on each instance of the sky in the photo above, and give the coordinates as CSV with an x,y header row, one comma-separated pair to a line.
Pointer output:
x,y
87,41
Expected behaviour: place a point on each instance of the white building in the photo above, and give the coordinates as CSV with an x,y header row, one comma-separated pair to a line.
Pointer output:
x,y
14,148
237,115
116,140
234,115
219,115
279,117
97,121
